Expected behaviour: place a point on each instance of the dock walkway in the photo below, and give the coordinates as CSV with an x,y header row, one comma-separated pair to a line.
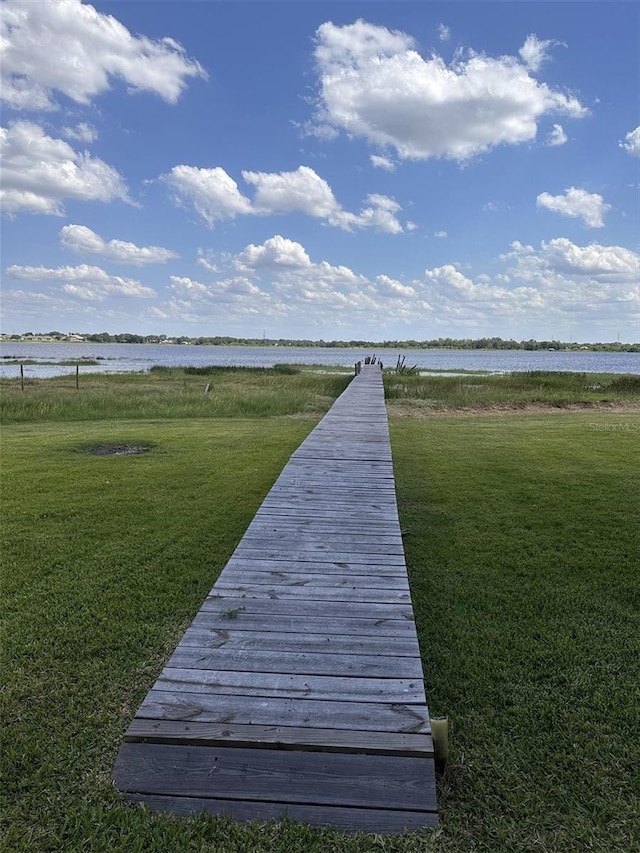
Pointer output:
x,y
298,689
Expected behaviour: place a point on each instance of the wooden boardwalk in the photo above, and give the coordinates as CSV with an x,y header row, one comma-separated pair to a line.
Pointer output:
x,y
298,690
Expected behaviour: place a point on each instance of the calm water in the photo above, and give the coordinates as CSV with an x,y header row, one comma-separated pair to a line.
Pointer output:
x,y
119,358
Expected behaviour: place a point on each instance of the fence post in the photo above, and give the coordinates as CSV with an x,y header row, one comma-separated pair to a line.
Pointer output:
x,y
22,377
77,377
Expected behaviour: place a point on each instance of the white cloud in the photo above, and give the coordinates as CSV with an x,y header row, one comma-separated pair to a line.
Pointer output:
x,y
215,196
593,260
82,132
374,84
444,32
213,193
534,52
559,282
84,282
593,284
380,214
440,234
295,276
381,162
285,192
449,278
278,280
557,136
69,47
577,203
495,207
305,191
631,142
188,288
227,290
387,286
40,172
275,252
79,238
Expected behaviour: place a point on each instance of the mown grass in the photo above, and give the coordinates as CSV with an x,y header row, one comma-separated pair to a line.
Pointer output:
x,y
523,563
170,393
512,390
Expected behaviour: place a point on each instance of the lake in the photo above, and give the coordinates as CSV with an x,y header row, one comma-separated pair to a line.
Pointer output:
x,y
121,358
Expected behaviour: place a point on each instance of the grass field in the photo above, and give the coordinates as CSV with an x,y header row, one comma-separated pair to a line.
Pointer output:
x,y
168,393
522,551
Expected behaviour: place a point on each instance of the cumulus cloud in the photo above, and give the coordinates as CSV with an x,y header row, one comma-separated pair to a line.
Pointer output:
x,y
391,287
631,142
215,196
440,234
229,289
557,136
212,192
380,214
449,278
81,239
290,266
577,203
285,192
594,260
534,52
444,32
276,252
374,84
381,162
40,172
84,282
82,132
69,47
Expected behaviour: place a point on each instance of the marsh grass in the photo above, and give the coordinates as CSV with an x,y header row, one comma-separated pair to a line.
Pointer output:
x,y
170,393
512,390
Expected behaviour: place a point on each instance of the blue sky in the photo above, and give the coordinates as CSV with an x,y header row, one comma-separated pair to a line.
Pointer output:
x,y
363,170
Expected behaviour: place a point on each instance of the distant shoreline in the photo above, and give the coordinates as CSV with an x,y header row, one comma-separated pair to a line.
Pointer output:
x,y
440,345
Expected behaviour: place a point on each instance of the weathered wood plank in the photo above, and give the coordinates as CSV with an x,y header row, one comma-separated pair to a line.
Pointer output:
x,y
299,623
232,606
299,593
319,556
379,508
302,663
285,685
276,775
364,526
400,717
340,567
385,536
380,821
302,543
352,514
278,641
282,737
313,580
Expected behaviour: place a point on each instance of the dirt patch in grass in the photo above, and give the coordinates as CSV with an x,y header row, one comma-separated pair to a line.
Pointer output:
x,y
116,449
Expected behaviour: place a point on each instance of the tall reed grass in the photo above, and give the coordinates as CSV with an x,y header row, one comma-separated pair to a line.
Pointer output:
x,y
516,390
171,393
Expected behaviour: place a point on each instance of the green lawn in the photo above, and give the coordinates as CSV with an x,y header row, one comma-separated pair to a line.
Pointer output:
x,y
522,552
522,545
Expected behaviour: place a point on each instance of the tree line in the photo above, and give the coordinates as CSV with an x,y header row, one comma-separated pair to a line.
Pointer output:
x,y
494,343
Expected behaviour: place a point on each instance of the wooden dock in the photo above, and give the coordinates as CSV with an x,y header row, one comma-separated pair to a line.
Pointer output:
x,y
297,691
